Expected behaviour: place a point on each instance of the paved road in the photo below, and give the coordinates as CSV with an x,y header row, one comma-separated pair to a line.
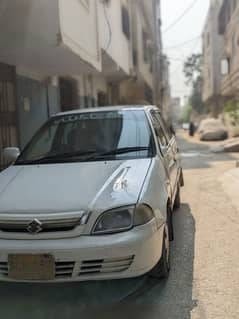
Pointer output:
x,y
204,281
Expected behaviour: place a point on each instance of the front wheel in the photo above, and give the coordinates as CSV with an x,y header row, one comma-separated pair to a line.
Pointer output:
x,y
177,202
170,224
162,269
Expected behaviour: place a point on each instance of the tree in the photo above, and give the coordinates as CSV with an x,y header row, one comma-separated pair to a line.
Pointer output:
x,y
193,74
196,96
193,68
232,108
186,113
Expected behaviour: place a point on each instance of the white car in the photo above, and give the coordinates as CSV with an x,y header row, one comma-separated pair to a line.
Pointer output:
x,y
90,198
185,126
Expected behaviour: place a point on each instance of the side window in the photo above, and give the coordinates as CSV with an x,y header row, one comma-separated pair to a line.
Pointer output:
x,y
166,129
162,138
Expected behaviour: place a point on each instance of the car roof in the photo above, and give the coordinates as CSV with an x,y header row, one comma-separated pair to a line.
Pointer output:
x,y
109,108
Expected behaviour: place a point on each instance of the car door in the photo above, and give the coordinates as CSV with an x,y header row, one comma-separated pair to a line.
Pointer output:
x,y
175,153
167,146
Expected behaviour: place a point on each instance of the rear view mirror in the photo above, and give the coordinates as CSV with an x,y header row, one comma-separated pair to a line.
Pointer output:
x,y
225,66
10,154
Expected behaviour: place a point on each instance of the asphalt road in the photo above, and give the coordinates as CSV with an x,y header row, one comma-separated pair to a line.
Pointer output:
x,y
204,279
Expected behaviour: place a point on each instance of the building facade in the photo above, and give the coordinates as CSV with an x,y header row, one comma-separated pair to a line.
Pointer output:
x,y
60,55
176,109
212,51
228,20
165,91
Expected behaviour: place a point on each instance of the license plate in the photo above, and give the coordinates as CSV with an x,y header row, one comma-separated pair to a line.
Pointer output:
x,y
31,267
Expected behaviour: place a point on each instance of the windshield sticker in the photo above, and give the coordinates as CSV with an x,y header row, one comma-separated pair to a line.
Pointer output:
x,y
88,116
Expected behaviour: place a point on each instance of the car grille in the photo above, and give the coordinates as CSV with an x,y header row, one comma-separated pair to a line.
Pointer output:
x,y
64,269
105,266
87,268
3,269
47,226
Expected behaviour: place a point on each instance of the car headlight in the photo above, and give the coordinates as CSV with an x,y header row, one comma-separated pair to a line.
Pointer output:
x,y
142,215
123,219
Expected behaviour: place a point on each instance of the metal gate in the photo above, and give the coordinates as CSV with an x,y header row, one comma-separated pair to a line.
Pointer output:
x,y
8,110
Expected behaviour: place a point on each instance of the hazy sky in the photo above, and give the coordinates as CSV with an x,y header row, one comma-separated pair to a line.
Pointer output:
x,y
188,28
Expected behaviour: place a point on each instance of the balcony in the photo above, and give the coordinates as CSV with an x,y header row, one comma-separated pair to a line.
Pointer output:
x,y
115,39
56,37
230,84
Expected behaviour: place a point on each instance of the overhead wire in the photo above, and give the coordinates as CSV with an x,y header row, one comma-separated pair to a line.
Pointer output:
x,y
185,92
109,26
183,43
193,47
185,12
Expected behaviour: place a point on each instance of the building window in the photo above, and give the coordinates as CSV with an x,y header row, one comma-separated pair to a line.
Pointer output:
x,y
151,67
148,94
125,21
102,98
145,47
68,94
135,57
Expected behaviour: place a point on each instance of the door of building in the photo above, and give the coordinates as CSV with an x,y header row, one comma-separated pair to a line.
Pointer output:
x,y
68,94
8,110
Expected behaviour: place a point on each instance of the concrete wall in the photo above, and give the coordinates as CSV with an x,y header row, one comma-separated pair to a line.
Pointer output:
x,y
89,86
140,25
118,48
79,29
28,23
212,53
33,108
230,83
58,37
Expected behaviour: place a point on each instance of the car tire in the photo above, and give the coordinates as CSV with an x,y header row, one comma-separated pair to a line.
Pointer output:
x,y
162,269
170,224
177,202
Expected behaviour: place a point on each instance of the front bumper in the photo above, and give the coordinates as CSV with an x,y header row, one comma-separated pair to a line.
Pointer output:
x,y
118,256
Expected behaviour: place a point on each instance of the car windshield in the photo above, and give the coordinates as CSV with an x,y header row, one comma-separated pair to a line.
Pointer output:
x,y
89,136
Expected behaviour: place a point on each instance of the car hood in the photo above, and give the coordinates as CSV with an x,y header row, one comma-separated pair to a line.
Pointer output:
x,y
71,187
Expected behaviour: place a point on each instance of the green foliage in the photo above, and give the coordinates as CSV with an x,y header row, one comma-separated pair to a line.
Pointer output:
x,y
193,68
193,74
196,96
232,108
186,114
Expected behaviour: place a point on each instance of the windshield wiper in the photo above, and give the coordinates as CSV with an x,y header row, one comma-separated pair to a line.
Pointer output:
x,y
62,157
81,156
118,151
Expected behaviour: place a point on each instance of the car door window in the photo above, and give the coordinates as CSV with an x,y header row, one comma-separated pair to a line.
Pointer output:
x,y
167,131
161,136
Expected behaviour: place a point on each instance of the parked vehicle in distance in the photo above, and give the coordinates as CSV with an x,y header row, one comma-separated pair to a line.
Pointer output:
x,y
91,197
185,126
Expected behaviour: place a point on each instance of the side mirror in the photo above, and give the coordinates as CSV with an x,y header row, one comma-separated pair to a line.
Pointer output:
x,y
10,154
225,67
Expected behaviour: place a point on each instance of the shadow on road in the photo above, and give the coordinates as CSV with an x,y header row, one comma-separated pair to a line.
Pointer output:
x,y
164,299
198,155
141,297
62,300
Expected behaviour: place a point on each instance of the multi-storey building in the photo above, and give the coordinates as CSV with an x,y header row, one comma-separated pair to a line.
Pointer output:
x,y
63,54
176,109
228,20
212,49
166,90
